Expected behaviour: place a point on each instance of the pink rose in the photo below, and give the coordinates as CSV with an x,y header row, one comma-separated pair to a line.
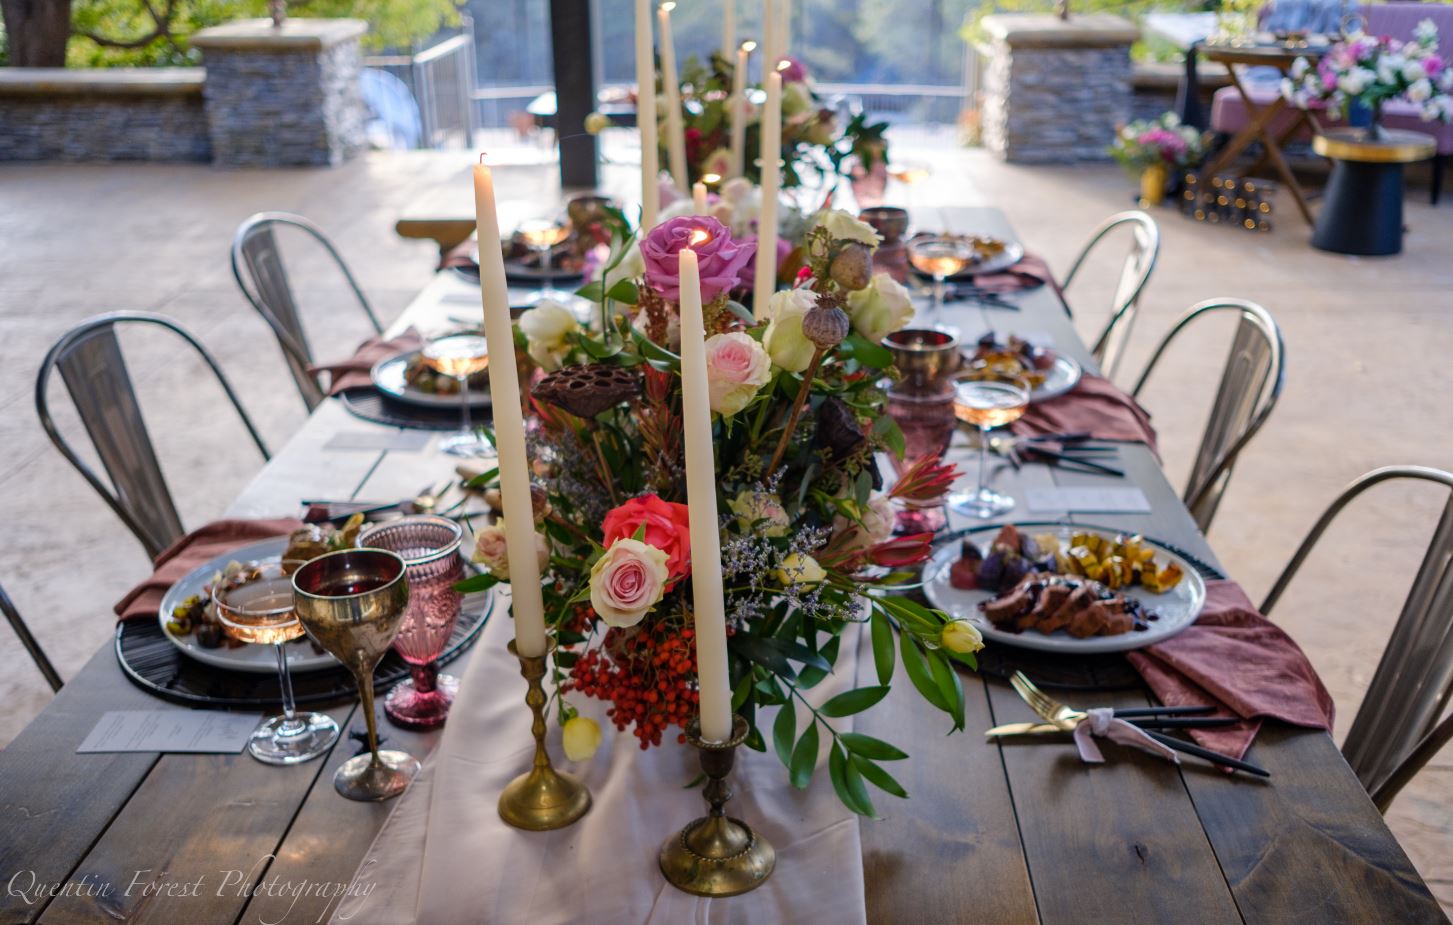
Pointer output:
x,y
748,276
720,258
736,369
627,582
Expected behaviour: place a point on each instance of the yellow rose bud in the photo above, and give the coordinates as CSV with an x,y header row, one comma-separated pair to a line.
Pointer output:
x,y
581,738
797,569
597,122
962,637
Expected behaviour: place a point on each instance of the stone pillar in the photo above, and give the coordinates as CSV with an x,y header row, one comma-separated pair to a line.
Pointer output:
x,y
284,96
1055,89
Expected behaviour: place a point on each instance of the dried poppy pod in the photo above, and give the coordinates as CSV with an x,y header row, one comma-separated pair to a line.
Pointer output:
x,y
586,391
852,268
825,326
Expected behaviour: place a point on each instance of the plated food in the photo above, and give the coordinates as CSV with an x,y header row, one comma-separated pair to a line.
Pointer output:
x,y
1049,373
406,378
1065,588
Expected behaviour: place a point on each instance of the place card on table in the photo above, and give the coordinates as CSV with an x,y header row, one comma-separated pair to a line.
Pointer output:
x,y
198,731
1081,500
404,441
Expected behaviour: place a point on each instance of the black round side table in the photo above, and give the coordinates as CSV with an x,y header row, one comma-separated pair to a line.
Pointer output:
x,y
1362,208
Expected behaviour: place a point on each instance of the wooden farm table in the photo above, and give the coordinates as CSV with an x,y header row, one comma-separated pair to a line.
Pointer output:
x,y
1017,833
1263,117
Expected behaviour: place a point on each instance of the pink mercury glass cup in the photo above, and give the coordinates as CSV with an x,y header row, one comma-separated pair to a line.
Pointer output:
x,y
926,418
429,546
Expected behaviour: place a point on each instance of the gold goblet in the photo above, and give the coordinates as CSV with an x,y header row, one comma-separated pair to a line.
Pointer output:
x,y
352,603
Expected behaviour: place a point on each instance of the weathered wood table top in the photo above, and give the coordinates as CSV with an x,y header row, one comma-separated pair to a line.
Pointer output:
x,y
1019,832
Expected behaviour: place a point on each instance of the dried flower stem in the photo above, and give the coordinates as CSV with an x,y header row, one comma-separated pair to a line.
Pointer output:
x,y
796,411
605,472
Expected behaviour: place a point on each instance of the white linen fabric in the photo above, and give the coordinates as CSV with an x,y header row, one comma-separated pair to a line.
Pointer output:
x,y
445,857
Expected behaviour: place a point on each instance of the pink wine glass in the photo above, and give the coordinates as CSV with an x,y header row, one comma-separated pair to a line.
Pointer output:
x,y
926,418
429,546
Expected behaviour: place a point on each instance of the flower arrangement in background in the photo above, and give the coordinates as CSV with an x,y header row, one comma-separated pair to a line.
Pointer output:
x,y
1149,142
807,528
1368,71
814,145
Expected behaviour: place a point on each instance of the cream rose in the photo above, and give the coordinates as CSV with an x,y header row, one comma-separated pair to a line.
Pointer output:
x,y
754,507
492,552
736,369
784,341
962,637
880,309
581,737
876,524
844,227
547,327
627,582
799,569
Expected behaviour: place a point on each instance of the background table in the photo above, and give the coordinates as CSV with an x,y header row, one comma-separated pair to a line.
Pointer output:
x,y
1362,208
1019,832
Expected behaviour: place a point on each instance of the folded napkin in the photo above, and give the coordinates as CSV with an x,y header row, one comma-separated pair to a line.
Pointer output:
x,y
1096,406
461,255
1030,272
193,550
1240,661
354,371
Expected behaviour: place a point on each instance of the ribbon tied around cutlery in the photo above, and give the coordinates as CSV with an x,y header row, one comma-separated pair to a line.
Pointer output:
x,y
1101,723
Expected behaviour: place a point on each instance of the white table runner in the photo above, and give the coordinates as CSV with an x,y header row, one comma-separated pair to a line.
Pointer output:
x,y
446,857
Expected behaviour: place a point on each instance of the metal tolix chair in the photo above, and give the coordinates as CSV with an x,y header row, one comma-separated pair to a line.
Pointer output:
x,y
1251,383
1396,731
94,371
37,654
1135,272
265,285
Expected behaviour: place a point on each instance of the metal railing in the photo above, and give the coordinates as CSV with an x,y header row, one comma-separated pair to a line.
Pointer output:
x,y
441,79
919,103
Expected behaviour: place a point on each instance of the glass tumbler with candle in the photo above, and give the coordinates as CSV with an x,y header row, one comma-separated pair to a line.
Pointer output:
x,y
429,546
256,606
926,418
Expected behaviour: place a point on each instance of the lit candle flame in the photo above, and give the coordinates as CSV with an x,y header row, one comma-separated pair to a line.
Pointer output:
x,y
668,6
698,236
711,179
749,46
783,65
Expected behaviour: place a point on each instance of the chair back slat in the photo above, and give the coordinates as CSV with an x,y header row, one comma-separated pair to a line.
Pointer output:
x,y
1414,677
274,300
1135,270
99,385
256,255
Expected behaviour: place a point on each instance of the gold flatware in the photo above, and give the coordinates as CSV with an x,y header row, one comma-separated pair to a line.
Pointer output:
x,y
1023,729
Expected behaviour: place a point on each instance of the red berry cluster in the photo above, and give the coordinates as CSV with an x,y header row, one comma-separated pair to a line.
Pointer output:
x,y
648,673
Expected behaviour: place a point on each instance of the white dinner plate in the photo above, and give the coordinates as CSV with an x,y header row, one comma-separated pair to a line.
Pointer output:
x,y
1058,379
388,378
258,659
1176,608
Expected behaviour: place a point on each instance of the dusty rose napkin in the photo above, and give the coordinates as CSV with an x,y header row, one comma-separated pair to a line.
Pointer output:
x,y
1030,272
354,371
1095,406
1243,663
193,550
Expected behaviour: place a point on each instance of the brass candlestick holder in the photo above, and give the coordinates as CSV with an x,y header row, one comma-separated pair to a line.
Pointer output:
x,y
541,799
717,855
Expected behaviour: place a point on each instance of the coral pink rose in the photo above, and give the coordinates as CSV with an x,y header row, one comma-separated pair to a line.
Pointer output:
x,y
627,582
736,369
668,528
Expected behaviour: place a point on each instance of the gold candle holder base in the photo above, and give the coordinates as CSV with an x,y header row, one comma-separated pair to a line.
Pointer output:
x,y
542,798
717,855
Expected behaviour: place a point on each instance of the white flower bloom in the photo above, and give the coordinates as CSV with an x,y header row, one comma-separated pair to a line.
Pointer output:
x,y
1300,68
1413,71
844,227
1420,90
1425,32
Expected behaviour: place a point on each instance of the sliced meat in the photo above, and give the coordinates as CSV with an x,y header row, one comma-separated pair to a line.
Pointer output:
x,y
1005,609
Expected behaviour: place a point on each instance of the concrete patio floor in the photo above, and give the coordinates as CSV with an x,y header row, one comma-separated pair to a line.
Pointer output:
x,y
1368,380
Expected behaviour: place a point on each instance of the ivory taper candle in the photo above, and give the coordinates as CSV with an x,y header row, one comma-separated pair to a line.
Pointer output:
x,y
771,131
509,426
675,130
738,103
646,117
698,198
728,28
708,604
769,38
784,29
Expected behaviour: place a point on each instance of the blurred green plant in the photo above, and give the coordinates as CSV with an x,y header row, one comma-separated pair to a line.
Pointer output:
x,y
1134,10
151,33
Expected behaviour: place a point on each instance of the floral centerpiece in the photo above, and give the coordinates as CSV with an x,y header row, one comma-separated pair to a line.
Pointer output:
x,y
1150,147
1367,71
807,535
814,145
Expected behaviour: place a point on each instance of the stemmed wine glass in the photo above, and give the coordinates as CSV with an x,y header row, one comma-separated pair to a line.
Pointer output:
x,y
259,610
541,235
352,603
939,257
429,545
460,356
910,174
987,397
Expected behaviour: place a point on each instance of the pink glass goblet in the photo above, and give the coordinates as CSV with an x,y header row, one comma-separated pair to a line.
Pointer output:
x,y
429,546
926,418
